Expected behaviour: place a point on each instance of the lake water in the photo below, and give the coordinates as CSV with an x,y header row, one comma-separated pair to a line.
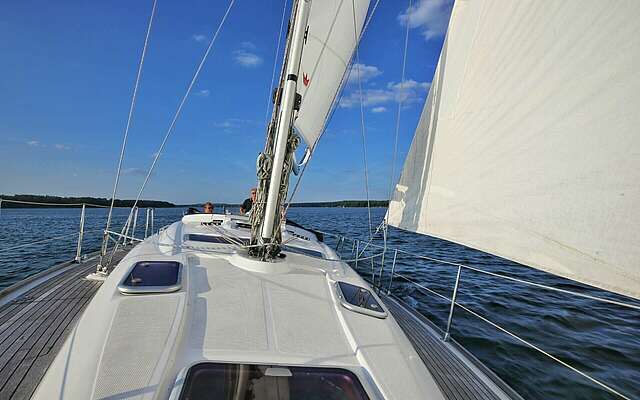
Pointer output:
x,y
600,339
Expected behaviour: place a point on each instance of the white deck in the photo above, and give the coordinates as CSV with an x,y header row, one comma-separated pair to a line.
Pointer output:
x,y
140,346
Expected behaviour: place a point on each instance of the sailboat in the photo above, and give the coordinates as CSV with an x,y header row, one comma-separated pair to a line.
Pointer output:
x,y
233,307
526,148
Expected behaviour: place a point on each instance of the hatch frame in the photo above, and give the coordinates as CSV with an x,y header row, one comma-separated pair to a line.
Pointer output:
x,y
156,289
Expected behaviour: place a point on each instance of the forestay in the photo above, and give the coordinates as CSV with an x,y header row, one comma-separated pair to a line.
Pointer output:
x,y
331,40
528,145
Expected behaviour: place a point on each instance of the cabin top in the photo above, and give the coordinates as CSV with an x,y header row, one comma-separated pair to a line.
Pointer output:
x,y
189,303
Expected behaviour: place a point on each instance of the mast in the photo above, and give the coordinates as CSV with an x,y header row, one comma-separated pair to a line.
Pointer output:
x,y
266,220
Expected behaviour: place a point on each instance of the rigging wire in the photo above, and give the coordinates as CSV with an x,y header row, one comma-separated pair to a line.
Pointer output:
x,y
362,124
397,131
400,101
336,100
178,111
130,116
275,63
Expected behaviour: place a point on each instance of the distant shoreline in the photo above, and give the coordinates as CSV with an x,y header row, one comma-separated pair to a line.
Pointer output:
x,y
75,202
31,201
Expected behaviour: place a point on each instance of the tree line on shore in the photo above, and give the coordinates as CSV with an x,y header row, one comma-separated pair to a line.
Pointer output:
x,y
75,201
341,203
101,201
344,203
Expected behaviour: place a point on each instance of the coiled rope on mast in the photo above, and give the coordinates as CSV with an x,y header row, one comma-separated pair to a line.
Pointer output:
x,y
264,164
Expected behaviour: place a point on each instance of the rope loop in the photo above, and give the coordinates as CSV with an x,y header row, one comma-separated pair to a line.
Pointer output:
x,y
263,166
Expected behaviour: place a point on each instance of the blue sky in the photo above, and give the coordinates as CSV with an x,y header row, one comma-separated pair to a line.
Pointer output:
x,y
67,70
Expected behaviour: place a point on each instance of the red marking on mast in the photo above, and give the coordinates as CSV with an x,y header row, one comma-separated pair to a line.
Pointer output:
x,y
305,79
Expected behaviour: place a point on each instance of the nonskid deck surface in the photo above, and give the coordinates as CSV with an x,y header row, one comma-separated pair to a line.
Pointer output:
x,y
36,319
35,324
456,375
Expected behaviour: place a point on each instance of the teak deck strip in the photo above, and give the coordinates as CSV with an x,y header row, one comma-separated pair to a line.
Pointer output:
x,y
35,324
458,376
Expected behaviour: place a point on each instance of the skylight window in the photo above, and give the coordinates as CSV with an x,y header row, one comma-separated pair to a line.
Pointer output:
x,y
217,381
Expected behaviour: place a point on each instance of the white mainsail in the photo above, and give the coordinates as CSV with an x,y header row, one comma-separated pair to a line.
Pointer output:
x,y
330,43
529,143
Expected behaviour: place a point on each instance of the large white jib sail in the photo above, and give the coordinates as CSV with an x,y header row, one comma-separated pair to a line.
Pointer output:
x,y
529,143
330,42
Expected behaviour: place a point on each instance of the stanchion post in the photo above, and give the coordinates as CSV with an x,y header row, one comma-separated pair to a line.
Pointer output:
x,y
127,226
135,222
357,252
373,270
393,271
146,224
80,234
384,252
447,334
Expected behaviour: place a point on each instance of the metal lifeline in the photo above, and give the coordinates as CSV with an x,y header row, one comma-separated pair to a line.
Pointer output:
x,y
453,299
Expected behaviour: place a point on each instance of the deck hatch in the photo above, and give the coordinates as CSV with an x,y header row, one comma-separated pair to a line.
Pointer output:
x,y
303,251
218,381
359,299
243,225
152,277
195,237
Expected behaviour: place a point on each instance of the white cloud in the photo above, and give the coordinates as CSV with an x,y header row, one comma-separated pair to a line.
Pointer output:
x,y
203,93
199,38
223,124
231,123
33,143
379,109
248,45
367,72
134,171
247,58
59,146
431,16
408,92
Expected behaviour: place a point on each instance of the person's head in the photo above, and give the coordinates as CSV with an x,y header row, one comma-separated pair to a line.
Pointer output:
x,y
253,193
207,207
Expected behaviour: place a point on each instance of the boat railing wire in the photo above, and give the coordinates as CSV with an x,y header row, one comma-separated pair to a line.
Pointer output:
x,y
375,266
373,270
129,238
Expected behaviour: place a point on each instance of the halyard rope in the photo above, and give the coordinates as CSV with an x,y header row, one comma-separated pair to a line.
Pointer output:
x,y
275,63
